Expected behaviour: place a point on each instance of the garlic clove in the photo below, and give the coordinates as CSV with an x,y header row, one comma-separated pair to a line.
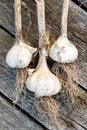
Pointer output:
x,y
20,55
63,51
30,71
30,48
42,82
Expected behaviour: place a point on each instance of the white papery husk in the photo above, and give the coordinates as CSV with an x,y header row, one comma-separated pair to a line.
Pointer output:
x,y
41,81
20,55
63,51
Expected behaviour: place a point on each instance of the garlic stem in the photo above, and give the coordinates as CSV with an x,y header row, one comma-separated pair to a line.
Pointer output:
x,y
42,58
18,21
41,21
64,18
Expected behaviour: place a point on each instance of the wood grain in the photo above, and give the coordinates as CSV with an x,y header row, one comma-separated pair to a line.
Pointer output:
x,y
77,30
71,118
13,119
68,114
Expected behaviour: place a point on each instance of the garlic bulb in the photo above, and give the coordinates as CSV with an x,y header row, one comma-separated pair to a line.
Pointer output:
x,y
63,51
20,55
41,81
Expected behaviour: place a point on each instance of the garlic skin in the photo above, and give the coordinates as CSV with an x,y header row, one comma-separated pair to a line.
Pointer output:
x,y
42,82
63,51
20,55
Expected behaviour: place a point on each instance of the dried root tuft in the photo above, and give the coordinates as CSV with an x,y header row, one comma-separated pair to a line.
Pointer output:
x,y
48,109
21,77
67,78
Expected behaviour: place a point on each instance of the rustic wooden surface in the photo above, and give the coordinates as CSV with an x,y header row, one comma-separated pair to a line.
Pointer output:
x,y
77,30
71,118
13,119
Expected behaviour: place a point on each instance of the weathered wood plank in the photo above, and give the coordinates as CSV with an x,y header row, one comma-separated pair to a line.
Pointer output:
x,y
8,90
76,30
13,119
76,23
7,87
7,20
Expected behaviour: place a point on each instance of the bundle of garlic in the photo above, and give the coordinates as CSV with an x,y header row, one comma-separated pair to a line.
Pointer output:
x,y
20,55
63,51
41,81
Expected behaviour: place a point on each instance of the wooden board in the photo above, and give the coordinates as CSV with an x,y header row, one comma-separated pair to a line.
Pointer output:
x,y
71,118
13,119
77,30
68,114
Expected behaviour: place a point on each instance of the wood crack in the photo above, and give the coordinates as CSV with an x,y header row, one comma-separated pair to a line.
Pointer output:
x,y
83,6
72,121
6,30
